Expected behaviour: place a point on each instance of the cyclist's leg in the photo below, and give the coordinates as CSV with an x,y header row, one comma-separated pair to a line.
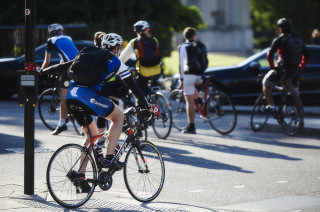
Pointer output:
x,y
116,117
268,82
64,87
189,83
293,86
82,115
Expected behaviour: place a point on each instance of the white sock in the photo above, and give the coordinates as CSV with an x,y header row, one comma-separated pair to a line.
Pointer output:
x,y
62,122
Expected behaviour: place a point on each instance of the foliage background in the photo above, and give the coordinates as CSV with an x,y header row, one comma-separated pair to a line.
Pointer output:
x,y
164,16
305,15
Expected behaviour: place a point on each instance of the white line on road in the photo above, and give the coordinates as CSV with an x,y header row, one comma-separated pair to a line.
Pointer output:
x,y
238,186
282,181
196,191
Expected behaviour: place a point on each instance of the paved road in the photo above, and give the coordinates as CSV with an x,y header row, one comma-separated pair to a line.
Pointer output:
x,y
243,171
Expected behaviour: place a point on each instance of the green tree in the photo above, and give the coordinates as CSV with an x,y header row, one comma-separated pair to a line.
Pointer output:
x,y
164,16
303,13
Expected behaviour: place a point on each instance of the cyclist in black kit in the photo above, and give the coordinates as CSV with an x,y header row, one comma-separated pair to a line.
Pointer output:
x,y
67,51
293,57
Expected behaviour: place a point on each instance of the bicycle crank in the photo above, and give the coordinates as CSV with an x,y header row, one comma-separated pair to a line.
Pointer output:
x,y
105,181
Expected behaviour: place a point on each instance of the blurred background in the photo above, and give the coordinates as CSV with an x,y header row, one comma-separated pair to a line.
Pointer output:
x,y
231,29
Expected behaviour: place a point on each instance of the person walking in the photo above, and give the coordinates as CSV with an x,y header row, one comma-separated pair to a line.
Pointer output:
x,y
66,50
293,57
193,62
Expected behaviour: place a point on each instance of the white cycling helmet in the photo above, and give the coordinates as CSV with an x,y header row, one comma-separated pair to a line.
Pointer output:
x,y
111,40
53,29
140,26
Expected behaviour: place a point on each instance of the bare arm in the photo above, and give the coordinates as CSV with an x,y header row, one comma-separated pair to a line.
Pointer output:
x,y
46,61
127,52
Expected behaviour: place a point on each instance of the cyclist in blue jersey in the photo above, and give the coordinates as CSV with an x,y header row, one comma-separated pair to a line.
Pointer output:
x,y
66,50
84,101
114,87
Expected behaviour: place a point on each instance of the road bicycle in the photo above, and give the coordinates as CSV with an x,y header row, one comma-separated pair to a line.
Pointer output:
x,y
162,126
49,108
286,112
144,172
216,108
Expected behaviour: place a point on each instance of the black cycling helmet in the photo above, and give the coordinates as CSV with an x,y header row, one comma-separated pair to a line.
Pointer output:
x,y
284,23
54,29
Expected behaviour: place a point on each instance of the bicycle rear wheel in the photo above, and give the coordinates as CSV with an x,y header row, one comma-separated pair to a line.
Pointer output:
x,y
144,172
63,181
178,108
49,108
162,125
259,115
289,121
221,113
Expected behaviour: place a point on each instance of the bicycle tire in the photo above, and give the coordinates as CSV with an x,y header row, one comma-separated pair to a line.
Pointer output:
x,y
49,108
60,185
150,174
289,118
178,109
259,115
221,113
162,126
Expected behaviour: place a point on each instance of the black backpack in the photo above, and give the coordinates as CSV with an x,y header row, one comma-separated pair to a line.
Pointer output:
x,y
292,46
148,51
89,66
197,58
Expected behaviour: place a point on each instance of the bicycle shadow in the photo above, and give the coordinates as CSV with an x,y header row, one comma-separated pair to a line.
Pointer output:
x,y
14,143
184,157
264,138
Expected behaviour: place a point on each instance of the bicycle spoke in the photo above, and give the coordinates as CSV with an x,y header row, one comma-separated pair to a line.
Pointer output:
x,y
144,183
64,183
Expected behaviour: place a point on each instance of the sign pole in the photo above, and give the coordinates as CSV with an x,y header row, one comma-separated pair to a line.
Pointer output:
x,y
29,105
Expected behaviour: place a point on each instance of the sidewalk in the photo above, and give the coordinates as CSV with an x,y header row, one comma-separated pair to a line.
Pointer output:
x,y
12,198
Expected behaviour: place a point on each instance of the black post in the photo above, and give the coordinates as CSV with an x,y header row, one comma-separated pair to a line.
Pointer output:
x,y
30,11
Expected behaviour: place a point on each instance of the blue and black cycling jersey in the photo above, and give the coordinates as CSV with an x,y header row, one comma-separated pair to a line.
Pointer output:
x,y
64,46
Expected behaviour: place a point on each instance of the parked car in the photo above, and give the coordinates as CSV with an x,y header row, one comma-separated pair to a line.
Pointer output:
x,y
241,81
10,66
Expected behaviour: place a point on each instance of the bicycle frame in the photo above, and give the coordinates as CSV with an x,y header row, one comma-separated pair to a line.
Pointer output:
x,y
130,140
202,110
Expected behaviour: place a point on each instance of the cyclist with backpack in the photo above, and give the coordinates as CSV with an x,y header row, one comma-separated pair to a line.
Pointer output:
x,y
193,62
293,57
113,87
92,67
65,48
146,49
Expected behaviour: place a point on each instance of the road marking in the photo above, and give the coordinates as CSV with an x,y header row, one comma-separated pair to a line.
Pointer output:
x,y
283,181
238,186
196,191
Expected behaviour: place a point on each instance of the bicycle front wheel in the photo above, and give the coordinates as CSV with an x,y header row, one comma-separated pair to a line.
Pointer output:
x,y
63,181
49,108
221,113
259,115
162,125
289,120
178,108
144,172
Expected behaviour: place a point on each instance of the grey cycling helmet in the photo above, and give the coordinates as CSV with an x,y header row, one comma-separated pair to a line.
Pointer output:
x,y
111,40
140,26
54,29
